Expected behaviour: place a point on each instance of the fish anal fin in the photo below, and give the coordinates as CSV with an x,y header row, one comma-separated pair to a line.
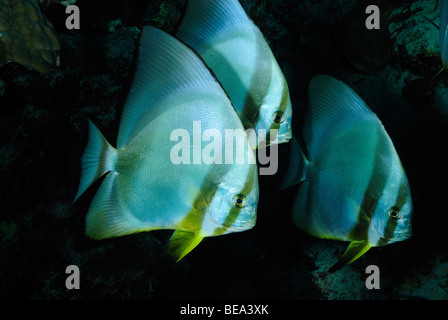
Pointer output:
x,y
355,250
182,242
107,217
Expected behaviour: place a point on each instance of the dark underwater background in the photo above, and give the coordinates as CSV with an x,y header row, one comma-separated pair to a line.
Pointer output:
x,y
43,121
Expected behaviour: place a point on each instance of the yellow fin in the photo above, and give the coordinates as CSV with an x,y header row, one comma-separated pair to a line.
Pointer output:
x,y
439,72
182,242
355,250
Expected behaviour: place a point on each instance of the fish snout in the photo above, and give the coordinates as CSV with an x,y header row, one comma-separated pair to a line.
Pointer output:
x,y
246,220
406,234
403,234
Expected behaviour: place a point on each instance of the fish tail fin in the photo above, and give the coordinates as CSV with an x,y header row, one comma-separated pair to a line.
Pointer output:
x,y
99,158
182,242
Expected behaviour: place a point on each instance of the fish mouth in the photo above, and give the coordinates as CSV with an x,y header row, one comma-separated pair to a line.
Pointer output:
x,y
242,226
285,133
284,137
242,223
235,227
281,138
404,235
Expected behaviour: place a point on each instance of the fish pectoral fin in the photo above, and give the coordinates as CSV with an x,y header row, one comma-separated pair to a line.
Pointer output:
x,y
182,242
355,250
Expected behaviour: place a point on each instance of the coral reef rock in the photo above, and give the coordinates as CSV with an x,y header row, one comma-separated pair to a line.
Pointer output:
x,y
26,36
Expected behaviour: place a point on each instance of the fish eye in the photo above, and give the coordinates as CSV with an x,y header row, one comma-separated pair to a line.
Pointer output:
x,y
239,201
394,213
278,117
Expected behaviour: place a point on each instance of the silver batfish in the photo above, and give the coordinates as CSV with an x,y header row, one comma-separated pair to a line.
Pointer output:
x,y
353,185
144,189
237,52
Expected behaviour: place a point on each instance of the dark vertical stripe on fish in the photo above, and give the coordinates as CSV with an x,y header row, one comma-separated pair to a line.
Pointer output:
x,y
282,107
391,225
388,232
371,197
259,86
235,211
194,219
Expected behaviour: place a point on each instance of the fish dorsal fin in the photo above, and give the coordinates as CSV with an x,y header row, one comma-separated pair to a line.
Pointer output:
x,y
182,242
206,19
333,108
166,68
